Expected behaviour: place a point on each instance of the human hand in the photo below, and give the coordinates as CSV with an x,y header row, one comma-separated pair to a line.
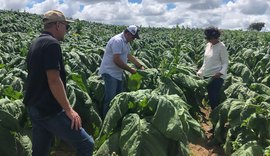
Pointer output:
x,y
217,75
75,119
133,71
199,74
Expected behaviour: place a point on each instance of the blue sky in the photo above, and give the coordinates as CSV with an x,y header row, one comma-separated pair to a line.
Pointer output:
x,y
135,1
225,14
169,5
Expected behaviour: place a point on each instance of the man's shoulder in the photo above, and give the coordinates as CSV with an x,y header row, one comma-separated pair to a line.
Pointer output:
x,y
44,41
117,38
47,38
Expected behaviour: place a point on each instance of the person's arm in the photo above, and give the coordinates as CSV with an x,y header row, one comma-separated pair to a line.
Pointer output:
x,y
119,62
224,62
199,72
57,88
132,59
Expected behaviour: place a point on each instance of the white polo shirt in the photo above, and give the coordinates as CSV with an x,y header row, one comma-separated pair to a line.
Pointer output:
x,y
116,45
215,60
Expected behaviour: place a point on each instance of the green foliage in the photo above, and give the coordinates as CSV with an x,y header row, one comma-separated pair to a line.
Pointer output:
x,y
167,94
250,148
13,140
148,119
139,137
134,82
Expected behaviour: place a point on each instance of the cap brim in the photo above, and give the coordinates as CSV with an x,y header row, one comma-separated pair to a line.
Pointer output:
x,y
69,21
46,21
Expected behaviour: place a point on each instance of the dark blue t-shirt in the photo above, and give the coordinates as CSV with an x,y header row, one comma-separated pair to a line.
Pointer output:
x,y
44,54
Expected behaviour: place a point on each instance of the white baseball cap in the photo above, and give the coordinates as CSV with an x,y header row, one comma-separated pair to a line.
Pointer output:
x,y
134,30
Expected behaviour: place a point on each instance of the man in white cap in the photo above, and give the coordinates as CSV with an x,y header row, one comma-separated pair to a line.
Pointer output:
x,y
114,62
49,109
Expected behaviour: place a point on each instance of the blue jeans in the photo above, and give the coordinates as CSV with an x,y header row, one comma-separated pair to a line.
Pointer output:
x,y
112,88
213,89
44,130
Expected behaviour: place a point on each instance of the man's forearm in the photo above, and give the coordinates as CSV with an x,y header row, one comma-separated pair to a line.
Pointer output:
x,y
57,88
134,61
118,61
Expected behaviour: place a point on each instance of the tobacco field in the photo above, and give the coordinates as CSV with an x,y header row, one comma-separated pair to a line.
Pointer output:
x,y
159,112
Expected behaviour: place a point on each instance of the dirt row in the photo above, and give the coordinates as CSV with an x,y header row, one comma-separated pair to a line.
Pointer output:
x,y
205,147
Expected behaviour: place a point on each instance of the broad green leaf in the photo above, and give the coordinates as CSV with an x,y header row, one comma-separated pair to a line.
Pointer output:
x,y
109,146
260,88
24,145
249,149
11,113
96,88
134,82
139,137
8,121
167,120
167,86
120,107
7,143
234,114
242,70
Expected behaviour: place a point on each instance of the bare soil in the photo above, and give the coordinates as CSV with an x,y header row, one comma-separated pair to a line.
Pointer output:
x,y
203,148
63,149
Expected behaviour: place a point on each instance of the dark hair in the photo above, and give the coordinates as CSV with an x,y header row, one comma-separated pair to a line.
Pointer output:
x,y
212,32
126,31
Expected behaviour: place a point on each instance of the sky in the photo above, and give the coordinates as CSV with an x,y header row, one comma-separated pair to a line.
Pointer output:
x,y
224,14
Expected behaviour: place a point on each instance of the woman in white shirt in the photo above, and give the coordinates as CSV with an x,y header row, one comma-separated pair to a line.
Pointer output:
x,y
215,65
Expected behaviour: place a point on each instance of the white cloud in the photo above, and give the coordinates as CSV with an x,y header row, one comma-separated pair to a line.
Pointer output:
x,y
96,1
44,6
236,14
13,4
253,7
68,8
104,12
178,1
123,13
205,5
150,8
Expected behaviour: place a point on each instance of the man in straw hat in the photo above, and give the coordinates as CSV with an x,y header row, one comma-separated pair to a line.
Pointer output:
x,y
49,109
